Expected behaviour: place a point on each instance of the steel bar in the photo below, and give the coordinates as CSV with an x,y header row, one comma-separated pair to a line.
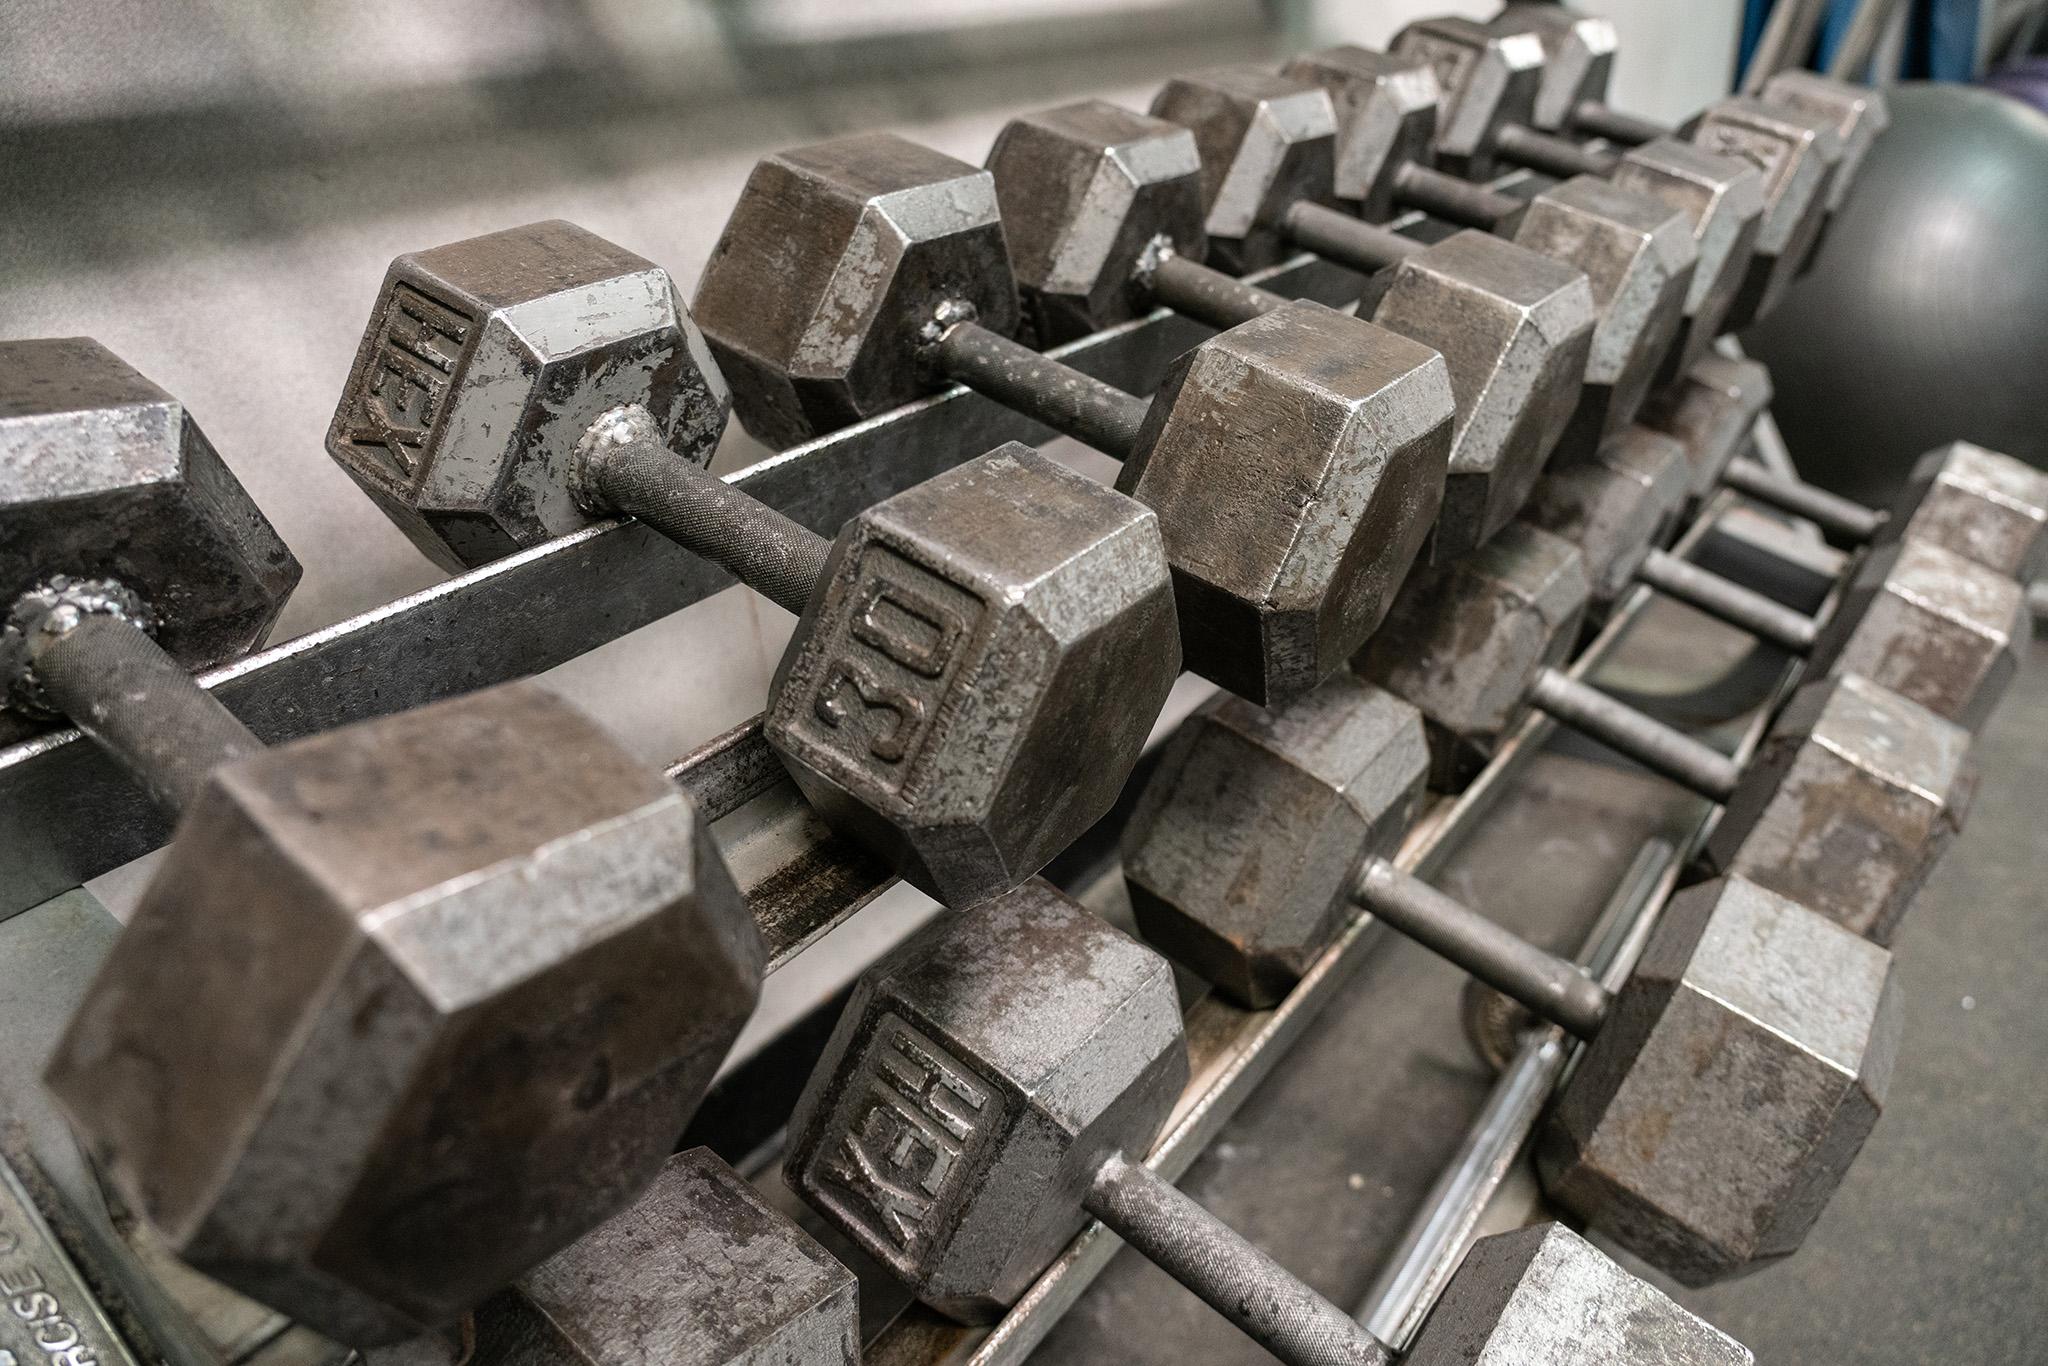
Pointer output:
x,y
1830,512
1851,58
1786,41
1436,1239
1730,601
1488,951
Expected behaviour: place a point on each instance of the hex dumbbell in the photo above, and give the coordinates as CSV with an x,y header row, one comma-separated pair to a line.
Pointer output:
x,y
1806,133
1639,252
1295,461
1490,92
1475,644
1931,625
700,1271
1579,62
402,1011
1104,212
1729,1082
947,698
1989,508
962,1136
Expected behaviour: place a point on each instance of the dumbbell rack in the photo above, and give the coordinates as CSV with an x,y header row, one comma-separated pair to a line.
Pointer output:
x,y
67,815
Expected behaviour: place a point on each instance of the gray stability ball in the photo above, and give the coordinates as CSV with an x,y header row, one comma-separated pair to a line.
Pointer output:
x,y
1926,317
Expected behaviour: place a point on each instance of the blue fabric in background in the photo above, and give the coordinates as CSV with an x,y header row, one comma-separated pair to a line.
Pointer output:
x,y
1941,36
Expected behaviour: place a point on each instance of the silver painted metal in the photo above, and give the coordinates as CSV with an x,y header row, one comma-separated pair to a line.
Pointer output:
x,y
52,1315
1490,79
1859,114
1496,77
1800,156
1931,626
68,814
699,1271
1475,643
1388,108
1240,891
1984,506
129,555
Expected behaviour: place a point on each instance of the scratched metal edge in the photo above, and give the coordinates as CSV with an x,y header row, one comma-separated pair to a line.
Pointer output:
x,y
68,814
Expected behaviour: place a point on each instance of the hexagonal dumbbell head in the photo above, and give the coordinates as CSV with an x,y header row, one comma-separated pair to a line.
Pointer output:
x,y
1544,1296
1515,329
1266,142
1859,114
1639,255
104,476
1989,508
947,698
1723,199
1089,192
1613,505
1737,1075
974,1084
1466,641
483,365
699,1271
1240,855
1578,58
466,968
1489,78
1797,154
1386,110
1850,801
817,297
1297,462
1931,626
1711,409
